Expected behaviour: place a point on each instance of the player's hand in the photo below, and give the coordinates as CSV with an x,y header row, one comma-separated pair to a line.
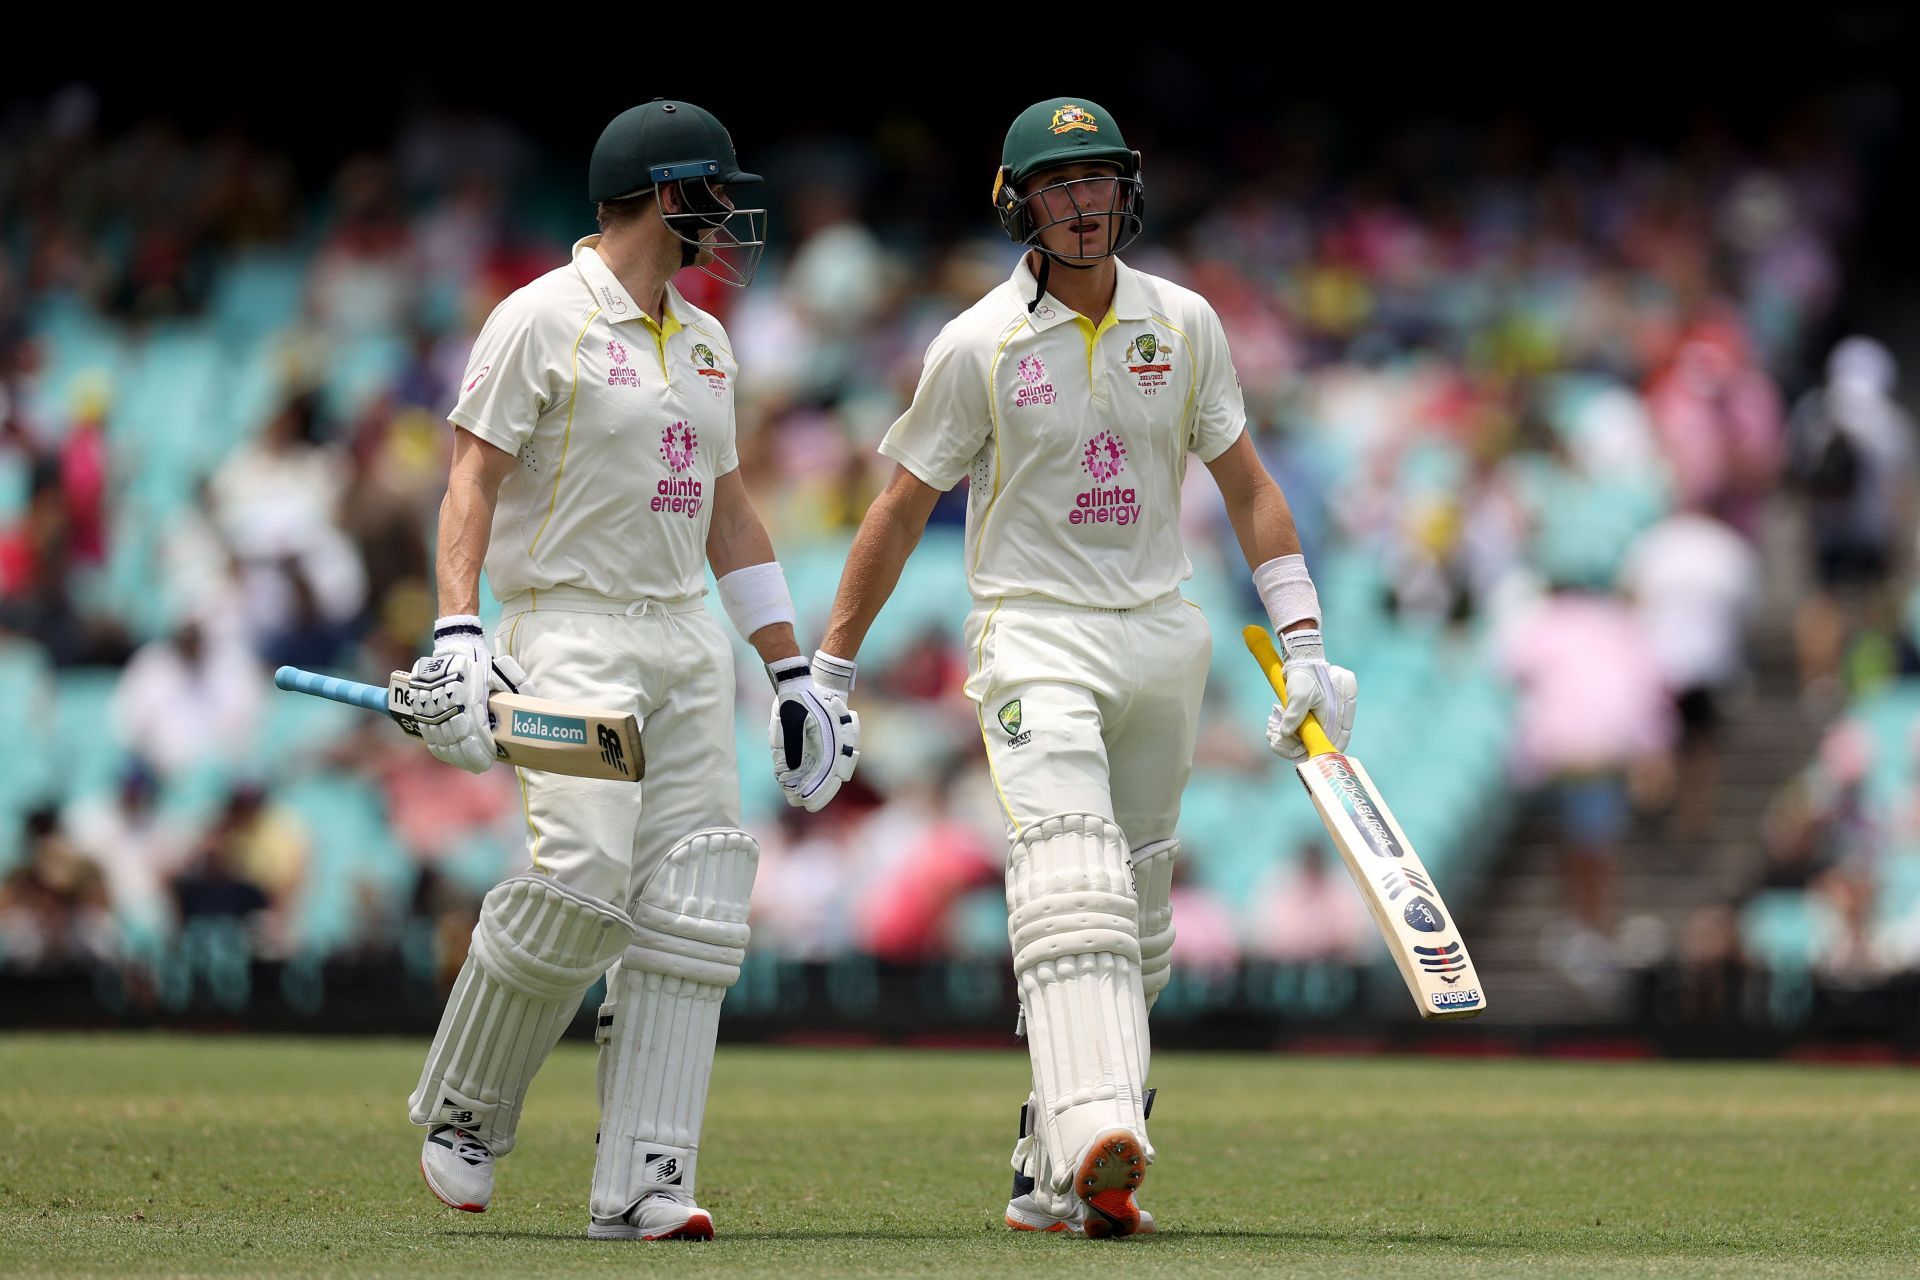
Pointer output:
x,y
1313,685
813,735
449,700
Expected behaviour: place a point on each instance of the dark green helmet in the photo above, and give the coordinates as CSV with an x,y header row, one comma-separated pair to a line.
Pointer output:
x,y
1062,131
1069,131
662,141
667,143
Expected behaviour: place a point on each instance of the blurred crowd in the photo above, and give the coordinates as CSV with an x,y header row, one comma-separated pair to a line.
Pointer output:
x,y
1543,399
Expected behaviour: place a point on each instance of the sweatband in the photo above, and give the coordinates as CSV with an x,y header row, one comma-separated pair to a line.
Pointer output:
x,y
756,597
1287,591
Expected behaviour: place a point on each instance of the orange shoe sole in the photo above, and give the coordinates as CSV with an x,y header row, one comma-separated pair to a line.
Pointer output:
x,y
1112,1171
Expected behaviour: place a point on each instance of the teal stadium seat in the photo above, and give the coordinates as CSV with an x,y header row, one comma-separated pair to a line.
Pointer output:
x,y
1899,878
86,757
352,845
1783,929
258,293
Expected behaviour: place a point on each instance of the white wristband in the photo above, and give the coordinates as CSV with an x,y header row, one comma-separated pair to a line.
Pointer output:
x,y
1287,591
756,597
833,673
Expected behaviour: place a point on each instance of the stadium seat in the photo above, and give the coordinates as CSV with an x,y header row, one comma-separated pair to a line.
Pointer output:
x,y
1784,929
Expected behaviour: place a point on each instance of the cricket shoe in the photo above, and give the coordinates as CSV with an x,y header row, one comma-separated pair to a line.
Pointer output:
x,y
666,1214
1109,1173
1026,1213
458,1168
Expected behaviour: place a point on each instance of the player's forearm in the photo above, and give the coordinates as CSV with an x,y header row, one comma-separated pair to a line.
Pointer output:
x,y
1263,523
880,550
737,540
466,525
740,542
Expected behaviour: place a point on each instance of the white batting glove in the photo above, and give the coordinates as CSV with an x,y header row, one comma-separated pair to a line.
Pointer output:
x,y
1313,685
450,691
813,735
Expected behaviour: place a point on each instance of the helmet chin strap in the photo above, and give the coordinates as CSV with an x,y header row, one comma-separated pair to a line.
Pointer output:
x,y
1046,268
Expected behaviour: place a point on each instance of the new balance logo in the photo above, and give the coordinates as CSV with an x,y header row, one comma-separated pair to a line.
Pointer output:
x,y
450,1114
610,748
663,1169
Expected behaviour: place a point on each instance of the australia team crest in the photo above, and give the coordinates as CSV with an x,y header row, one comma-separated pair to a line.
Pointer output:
x,y
1147,361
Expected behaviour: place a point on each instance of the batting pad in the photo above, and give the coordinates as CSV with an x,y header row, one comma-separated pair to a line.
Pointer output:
x,y
1072,918
662,1014
1153,877
537,948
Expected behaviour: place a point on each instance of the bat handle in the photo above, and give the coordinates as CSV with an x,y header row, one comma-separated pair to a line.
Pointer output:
x,y
1260,645
371,697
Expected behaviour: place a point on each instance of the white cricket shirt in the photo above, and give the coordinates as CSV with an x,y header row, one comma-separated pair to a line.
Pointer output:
x,y
1075,434
621,426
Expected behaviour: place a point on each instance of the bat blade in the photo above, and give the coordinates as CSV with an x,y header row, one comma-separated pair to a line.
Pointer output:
x,y
1419,929
1400,894
556,737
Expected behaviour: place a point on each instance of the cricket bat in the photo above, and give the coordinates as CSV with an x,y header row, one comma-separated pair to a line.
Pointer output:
x,y
530,733
1406,906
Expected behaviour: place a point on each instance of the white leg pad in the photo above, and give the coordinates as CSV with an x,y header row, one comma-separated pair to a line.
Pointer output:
x,y
1153,877
1073,921
537,948
658,1026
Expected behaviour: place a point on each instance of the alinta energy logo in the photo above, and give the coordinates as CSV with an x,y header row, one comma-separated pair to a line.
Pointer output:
x,y
678,444
1034,388
1103,458
683,495
620,374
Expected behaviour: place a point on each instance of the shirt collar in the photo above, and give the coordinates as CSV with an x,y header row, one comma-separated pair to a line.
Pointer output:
x,y
613,297
1129,298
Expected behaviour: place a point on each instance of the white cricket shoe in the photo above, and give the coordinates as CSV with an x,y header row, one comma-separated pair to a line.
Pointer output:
x,y
1109,1173
666,1214
1025,1213
1028,1212
458,1168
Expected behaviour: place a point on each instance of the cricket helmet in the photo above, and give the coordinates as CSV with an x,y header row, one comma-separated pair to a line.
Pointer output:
x,y
670,143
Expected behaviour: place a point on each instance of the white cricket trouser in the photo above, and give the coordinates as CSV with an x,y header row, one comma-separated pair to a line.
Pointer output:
x,y
672,665
1108,708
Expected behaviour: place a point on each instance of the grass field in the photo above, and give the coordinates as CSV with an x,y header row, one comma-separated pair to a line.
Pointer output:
x,y
169,1155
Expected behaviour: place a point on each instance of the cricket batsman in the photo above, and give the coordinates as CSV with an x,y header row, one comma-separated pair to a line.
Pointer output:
x,y
594,473
1070,397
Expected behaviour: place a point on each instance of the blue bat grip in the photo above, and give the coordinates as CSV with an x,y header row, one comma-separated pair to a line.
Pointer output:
x,y
372,697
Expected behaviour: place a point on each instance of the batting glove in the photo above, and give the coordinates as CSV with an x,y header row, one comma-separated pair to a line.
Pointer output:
x,y
1313,685
813,734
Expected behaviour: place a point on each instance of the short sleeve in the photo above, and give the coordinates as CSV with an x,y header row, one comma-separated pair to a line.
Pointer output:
x,y
941,432
1219,411
728,458
504,389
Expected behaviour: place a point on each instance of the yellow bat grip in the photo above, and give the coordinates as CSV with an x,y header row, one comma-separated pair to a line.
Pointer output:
x,y
1260,645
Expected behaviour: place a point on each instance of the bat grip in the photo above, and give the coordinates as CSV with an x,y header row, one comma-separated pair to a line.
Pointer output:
x,y
1260,645
368,696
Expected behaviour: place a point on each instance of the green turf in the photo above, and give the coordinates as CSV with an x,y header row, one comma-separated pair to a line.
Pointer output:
x,y
168,1155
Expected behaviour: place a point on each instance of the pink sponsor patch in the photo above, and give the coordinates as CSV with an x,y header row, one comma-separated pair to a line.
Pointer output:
x,y
677,445
1105,457
1032,369
620,373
